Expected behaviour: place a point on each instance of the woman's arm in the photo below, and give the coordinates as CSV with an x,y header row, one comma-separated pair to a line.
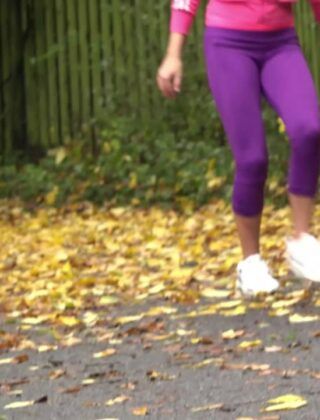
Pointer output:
x,y
182,15
170,72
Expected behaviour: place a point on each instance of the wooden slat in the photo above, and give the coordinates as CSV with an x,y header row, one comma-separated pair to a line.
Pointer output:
x,y
95,60
84,54
144,105
17,81
118,46
30,74
73,65
2,79
52,88
152,47
107,55
6,71
41,71
163,28
63,96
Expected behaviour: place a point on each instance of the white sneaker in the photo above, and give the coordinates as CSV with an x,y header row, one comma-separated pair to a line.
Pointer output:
x,y
303,256
254,277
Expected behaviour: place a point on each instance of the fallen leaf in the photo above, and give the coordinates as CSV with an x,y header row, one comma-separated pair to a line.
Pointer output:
x,y
215,293
232,334
117,400
104,353
285,402
18,404
207,407
140,411
297,318
249,344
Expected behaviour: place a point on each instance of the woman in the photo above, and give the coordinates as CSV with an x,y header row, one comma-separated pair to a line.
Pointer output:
x,y
251,49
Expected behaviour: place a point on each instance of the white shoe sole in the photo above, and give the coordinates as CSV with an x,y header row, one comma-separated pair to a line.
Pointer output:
x,y
252,294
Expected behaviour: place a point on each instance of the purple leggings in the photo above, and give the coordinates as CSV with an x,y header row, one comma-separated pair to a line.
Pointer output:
x,y
242,66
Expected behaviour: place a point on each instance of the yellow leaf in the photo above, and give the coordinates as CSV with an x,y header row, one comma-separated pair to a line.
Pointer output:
x,y
297,318
279,312
240,310
18,404
61,255
231,334
156,289
126,319
183,333
207,362
210,310
108,300
70,341
286,398
257,305
160,337
105,353
215,293
32,320
67,269
281,125
255,366
69,321
60,154
118,211
245,418
51,196
140,411
249,344
216,182
133,181
285,402
117,400
206,407
227,304
160,310
44,348
7,361
273,349
285,303
88,381
90,318
181,273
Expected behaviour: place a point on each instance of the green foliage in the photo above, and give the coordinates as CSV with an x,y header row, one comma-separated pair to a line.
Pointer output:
x,y
181,162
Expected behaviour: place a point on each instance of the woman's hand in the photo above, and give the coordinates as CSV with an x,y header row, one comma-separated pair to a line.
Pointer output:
x,y
169,76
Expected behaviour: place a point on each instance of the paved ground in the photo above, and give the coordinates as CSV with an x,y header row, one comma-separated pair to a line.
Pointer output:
x,y
167,366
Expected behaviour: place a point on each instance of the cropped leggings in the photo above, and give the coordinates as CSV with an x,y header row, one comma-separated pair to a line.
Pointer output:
x,y
242,66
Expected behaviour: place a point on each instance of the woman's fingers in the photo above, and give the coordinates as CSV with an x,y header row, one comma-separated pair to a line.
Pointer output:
x,y
177,82
169,76
165,84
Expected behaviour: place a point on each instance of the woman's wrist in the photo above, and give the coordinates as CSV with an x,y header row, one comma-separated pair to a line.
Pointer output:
x,y
175,45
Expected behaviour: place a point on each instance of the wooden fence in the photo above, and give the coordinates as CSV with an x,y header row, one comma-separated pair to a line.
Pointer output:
x,y
67,66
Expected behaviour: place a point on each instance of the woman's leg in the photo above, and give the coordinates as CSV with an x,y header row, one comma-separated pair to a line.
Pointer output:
x,y
302,211
249,234
235,84
288,86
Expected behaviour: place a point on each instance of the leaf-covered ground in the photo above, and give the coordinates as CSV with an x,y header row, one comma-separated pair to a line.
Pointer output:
x,y
123,313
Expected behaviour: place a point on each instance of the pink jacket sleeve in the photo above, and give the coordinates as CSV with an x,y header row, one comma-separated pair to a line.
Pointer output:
x,y
182,15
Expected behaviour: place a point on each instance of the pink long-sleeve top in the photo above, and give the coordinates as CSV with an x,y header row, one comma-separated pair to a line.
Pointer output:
x,y
261,15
